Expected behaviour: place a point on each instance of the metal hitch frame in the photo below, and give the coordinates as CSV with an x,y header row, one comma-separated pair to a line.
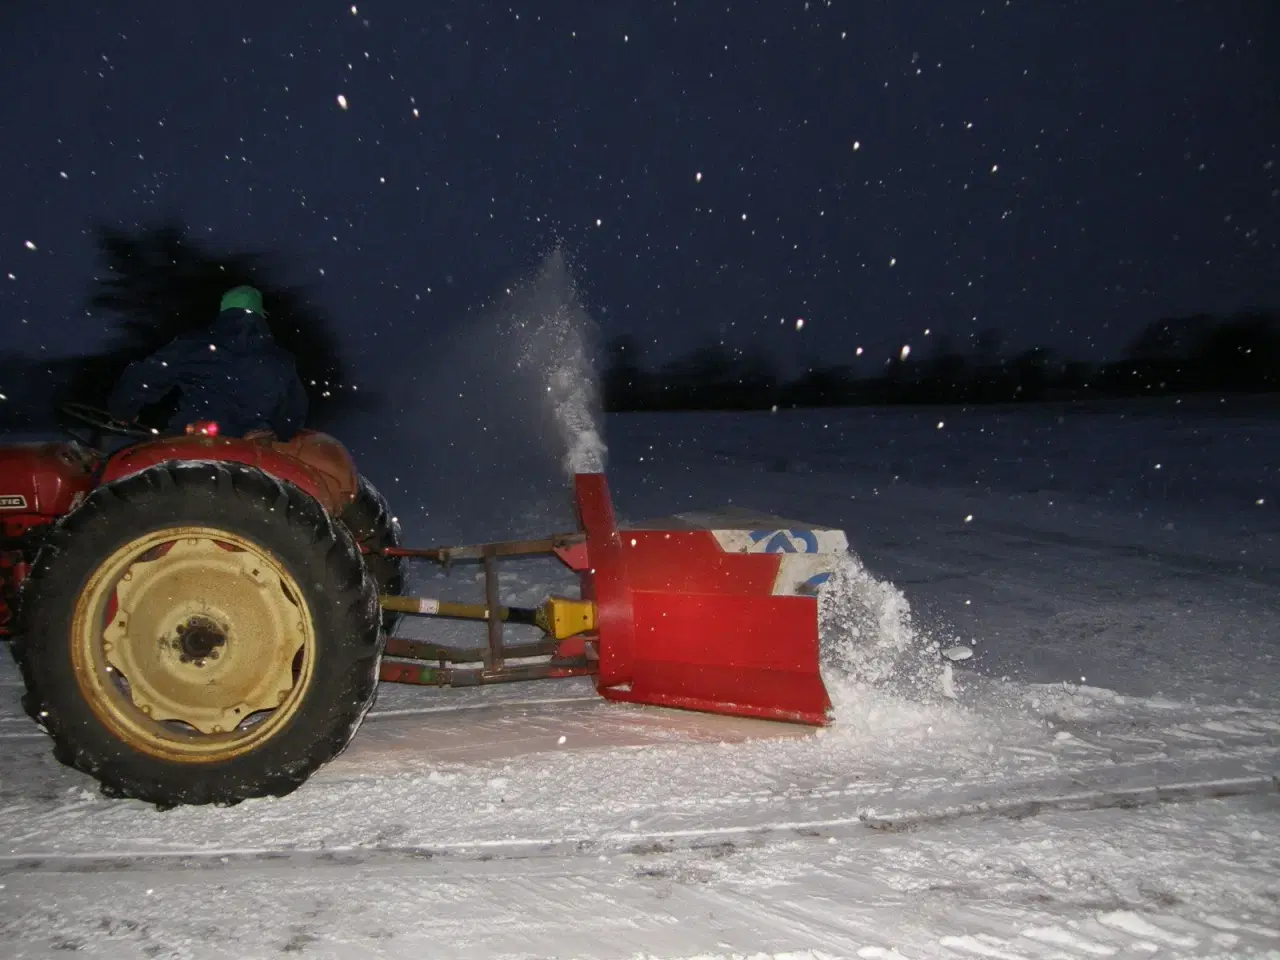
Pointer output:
x,y
567,648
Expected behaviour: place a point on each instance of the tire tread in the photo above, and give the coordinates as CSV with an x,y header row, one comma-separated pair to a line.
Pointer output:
x,y
342,595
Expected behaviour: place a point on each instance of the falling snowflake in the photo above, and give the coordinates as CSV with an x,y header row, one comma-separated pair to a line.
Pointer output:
x,y
697,177
893,261
857,145
858,352
342,101
905,352
799,323
29,245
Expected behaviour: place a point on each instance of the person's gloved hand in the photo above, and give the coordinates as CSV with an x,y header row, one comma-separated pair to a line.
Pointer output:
x,y
121,412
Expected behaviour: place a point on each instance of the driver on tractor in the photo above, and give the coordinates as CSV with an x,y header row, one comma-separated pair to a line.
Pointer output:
x,y
233,373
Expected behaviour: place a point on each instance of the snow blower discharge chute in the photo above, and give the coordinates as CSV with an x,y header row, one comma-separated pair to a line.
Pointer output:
x,y
712,612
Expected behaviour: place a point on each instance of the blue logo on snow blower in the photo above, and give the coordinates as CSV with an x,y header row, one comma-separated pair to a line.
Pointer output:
x,y
784,541
791,541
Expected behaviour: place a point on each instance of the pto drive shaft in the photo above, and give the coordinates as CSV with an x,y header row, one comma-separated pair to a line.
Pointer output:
x,y
558,617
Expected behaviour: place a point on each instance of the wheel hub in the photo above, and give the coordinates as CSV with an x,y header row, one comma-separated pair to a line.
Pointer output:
x,y
198,640
204,634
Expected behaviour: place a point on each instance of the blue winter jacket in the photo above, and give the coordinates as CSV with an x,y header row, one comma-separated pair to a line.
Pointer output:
x,y
232,373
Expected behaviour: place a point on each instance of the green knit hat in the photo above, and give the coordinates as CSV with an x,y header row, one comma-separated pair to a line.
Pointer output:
x,y
243,298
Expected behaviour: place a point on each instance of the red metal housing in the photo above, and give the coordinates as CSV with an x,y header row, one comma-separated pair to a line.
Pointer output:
x,y
314,462
39,482
716,613
685,623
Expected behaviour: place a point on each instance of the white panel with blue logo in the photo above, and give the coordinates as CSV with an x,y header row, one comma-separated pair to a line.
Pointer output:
x,y
809,552
809,555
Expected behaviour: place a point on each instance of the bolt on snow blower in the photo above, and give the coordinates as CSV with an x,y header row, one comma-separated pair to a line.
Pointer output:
x,y
713,612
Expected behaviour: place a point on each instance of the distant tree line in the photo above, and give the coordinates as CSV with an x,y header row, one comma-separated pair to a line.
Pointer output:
x,y
1236,354
158,283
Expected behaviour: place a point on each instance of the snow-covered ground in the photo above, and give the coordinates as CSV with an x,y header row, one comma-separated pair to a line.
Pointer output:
x,y
1103,784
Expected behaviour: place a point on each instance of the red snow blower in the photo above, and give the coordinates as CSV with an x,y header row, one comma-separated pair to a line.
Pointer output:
x,y
712,612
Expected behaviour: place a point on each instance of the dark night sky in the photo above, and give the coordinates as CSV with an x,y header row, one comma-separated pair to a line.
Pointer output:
x,y
1064,170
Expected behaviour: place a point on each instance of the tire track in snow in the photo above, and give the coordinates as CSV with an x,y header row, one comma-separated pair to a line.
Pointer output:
x,y
811,792
624,844
810,898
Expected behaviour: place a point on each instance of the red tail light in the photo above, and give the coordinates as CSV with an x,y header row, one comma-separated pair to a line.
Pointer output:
x,y
206,428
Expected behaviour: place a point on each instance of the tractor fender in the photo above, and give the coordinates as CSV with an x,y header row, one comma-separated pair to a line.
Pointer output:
x,y
314,462
42,480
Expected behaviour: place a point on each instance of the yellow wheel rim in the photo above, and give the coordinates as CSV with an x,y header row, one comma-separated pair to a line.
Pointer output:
x,y
193,644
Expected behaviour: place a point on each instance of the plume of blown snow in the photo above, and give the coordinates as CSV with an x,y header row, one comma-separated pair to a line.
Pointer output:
x,y
474,441
891,681
883,673
555,336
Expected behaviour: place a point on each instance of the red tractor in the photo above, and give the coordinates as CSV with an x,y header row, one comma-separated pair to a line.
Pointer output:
x,y
203,619
255,565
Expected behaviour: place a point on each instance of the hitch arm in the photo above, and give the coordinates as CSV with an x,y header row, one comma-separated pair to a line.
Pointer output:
x,y
558,617
507,548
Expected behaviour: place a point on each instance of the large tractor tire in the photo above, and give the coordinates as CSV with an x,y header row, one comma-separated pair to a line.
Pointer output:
x,y
370,521
199,633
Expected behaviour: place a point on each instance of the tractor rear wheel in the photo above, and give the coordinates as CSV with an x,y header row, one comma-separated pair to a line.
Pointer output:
x,y
199,633
370,521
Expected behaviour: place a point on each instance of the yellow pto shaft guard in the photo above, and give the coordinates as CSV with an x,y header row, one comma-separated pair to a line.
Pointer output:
x,y
558,617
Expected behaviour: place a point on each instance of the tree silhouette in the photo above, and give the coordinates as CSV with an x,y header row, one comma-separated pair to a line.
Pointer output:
x,y
625,380
1197,353
159,284
1031,373
1241,353
1170,339
716,376
947,371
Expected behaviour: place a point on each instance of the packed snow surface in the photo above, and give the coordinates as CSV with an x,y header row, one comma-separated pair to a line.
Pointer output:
x,y
1096,779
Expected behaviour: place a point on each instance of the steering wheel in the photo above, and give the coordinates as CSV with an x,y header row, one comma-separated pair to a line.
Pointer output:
x,y
103,422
